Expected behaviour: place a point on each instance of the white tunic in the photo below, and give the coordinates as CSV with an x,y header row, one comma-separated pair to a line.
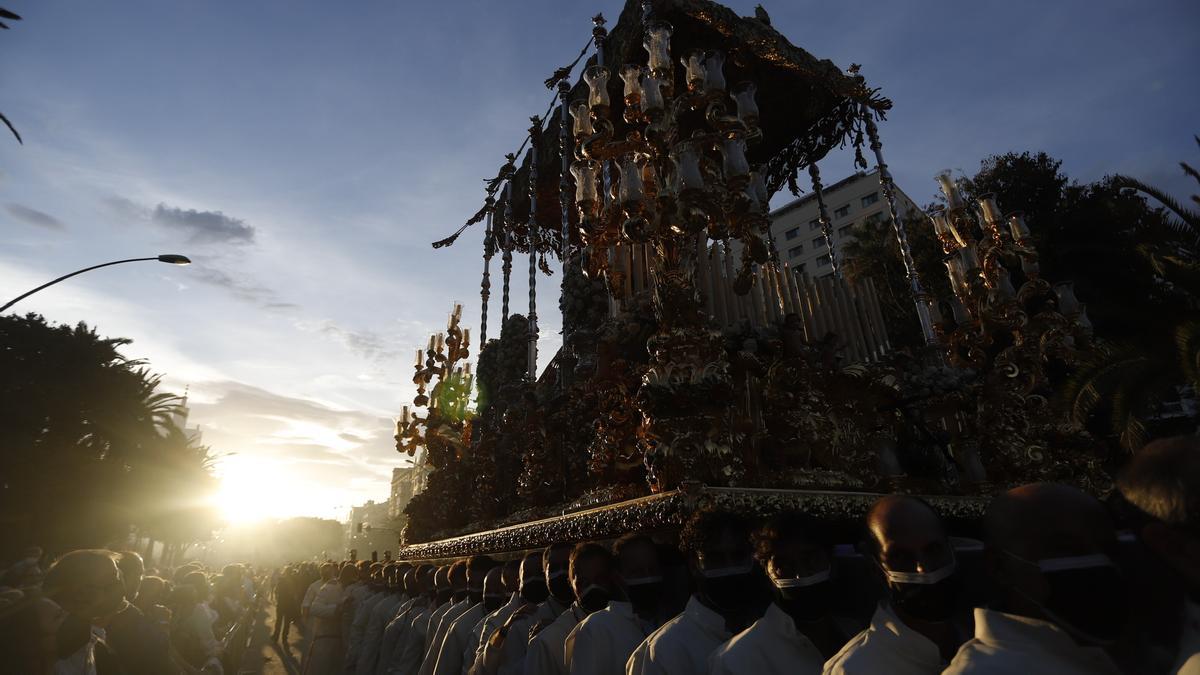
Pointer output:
x,y
397,629
448,657
771,645
433,641
887,645
516,643
602,642
1007,643
407,655
545,655
479,637
682,645
381,615
1188,662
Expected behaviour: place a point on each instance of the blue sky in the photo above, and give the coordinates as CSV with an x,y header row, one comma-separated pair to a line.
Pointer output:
x,y
304,154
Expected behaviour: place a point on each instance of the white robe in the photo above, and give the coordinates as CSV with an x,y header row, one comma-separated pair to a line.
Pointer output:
x,y
682,645
381,615
603,641
433,642
771,645
516,642
397,629
479,637
1188,662
448,658
325,655
887,645
1007,643
545,654
406,658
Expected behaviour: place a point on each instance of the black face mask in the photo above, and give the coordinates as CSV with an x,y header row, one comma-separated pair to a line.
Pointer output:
x,y
476,596
492,603
807,603
595,598
535,591
730,593
646,595
442,597
458,596
1089,603
928,602
560,588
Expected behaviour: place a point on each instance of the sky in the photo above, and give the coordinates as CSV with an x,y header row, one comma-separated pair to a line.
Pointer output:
x,y
304,155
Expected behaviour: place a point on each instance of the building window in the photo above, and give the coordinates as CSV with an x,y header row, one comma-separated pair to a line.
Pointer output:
x,y
818,242
841,211
814,224
792,233
798,269
870,199
795,250
873,218
845,231
823,260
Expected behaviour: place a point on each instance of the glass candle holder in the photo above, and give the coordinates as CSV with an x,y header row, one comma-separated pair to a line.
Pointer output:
x,y
631,74
747,108
581,114
586,173
958,280
668,180
991,212
1003,285
658,45
946,182
1016,223
652,96
687,166
597,82
970,260
941,227
630,168
1068,304
693,63
961,316
714,70
733,149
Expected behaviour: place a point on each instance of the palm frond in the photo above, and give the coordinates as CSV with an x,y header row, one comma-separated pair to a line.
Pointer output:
x,y
11,128
1189,217
1187,342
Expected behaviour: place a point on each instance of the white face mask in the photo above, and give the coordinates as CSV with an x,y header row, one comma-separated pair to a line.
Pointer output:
x,y
732,571
802,582
642,581
922,578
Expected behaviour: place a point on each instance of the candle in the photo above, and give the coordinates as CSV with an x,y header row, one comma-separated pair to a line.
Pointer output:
x,y
466,340
991,212
457,310
441,342
1016,223
419,359
406,415
432,341
468,368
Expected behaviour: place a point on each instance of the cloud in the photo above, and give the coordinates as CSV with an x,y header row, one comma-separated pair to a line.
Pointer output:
x,y
242,289
201,227
34,217
204,227
365,343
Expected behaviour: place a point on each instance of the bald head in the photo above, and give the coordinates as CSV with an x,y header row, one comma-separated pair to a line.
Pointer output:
x,y
1048,520
1163,481
907,535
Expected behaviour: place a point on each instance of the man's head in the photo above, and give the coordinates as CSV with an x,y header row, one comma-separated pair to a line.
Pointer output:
x,y
796,554
591,571
556,560
1050,552
512,576
132,571
153,591
721,558
424,580
912,552
458,580
639,571
87,584
348,575
441,584
1162,484
408,581
397,582
533,587
327,571
478,567
493,589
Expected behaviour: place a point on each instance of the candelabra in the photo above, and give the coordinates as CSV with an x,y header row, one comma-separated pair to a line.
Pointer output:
x,y
448,398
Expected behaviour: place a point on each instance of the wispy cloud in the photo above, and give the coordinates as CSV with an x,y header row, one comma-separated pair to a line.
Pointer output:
x,y
242,289
367,344
34,217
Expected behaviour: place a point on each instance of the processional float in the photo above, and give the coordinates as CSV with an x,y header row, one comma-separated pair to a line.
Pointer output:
x,y
697,368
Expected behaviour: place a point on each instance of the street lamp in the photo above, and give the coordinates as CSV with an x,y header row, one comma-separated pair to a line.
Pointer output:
x,y
169,258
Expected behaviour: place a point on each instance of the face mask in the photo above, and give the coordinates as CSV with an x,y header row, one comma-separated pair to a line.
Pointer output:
x,y
644,592
805,598
442,597
493,601
929,596
1087,596
534,590
594,598
729,588
475,595
458,596
560,586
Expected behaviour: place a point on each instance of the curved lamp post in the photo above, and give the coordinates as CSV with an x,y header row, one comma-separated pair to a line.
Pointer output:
x,y
170,258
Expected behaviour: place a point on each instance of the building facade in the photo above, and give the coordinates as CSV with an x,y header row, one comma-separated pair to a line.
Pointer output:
x,y
370,529
403,488
854,200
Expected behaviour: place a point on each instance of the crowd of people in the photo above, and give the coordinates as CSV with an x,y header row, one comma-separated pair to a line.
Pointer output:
x,y
101,612
1060,583
1054,581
